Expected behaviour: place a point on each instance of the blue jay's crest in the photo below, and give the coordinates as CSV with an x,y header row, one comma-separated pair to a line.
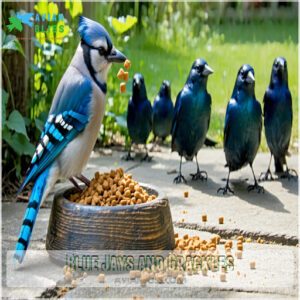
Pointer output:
x,y
91,32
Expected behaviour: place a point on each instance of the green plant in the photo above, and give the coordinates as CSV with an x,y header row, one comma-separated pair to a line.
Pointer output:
x,y
16,142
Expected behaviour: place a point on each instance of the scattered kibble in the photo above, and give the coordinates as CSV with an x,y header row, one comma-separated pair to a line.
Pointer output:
x,y
240,247
222,277
127,64
248,240
239,254
132,274
240,238
179,279
204,218
126,76
111,189
74,283
120,74
122,87
101,278
68,276
186,194
221,220
252,265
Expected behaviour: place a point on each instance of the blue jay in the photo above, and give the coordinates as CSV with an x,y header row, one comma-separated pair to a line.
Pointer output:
x,y
139,115
163,110
278,119
192,117
73,123
243,124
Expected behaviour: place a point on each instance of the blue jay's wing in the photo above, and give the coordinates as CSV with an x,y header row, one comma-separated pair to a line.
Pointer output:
x,y
67,118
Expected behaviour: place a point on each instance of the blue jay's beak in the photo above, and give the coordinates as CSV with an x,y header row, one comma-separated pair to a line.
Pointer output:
x,y
207,70
250,77
116,56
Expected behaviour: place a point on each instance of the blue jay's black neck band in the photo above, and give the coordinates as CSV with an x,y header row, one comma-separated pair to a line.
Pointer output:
x,y
87,60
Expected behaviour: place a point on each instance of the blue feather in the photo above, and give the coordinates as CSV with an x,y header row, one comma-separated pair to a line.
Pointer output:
x,y
30,215
91,31
71,105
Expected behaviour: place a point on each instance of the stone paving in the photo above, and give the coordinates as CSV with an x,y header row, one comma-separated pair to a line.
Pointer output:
x,y
272,216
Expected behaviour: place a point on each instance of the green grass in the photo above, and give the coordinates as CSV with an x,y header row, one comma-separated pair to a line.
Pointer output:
x,y
256,44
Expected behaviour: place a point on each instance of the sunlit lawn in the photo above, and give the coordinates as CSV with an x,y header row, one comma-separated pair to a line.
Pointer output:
x,y
255,44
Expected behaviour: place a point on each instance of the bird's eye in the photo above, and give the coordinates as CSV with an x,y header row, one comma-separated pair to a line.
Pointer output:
x,y
101,51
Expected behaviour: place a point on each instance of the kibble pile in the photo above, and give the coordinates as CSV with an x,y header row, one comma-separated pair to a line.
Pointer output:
x,y
196,243
111,189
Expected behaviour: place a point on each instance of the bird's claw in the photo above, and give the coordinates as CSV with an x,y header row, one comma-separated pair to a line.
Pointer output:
x,y
127,157
179,179
147,158
290,174
266,176
202,175
256,187
226,190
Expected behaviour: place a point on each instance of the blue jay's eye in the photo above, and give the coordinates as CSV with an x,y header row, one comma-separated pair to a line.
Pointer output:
x,y
101,51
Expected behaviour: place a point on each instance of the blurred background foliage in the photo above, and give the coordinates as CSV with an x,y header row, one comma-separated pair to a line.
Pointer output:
x,y
162,39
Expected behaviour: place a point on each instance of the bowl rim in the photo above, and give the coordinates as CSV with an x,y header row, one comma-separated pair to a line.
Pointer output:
x,y
60,197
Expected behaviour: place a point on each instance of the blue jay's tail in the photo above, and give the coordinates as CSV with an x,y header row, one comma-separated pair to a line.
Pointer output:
x,y
30,215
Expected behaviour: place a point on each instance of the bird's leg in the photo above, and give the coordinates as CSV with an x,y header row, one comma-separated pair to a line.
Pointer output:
x,y
83,179
147,157
255,186
179,178
128,156
154,144
78,188
226,190
289,173
202,175
264,176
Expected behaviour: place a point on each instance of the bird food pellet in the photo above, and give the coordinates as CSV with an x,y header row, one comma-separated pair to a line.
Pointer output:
x,y
101,278
179,279
222,277
240,247
127,64
111,189
239,254
122,87
240,238
68,276
132,274
120,74
186,194
204,218
125,76
74,283
221,220
252,265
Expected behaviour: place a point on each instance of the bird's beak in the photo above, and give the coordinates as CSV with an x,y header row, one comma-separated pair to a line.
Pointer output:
x,y
281,64
116,56
207,70
250,77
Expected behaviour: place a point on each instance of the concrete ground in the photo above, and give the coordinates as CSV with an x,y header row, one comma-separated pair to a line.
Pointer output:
x,y
272,216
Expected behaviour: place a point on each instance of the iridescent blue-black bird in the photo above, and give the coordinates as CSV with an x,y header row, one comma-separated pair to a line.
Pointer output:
x,y
192,117
163,111
243,124
278,119
139,115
